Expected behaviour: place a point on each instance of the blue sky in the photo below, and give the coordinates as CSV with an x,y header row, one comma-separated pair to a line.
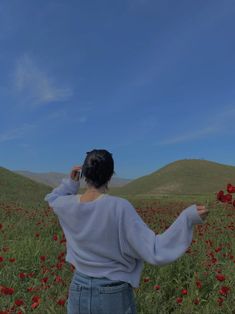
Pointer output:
x,y
150,81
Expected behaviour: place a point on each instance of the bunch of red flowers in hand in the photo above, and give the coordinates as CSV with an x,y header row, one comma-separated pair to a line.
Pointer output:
x,y
227,198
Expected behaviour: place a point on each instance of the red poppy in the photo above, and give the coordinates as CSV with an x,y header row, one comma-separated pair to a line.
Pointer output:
x,y
6,290
179,300
230,188
184,291
19,302
34,305
61,302
45,279
22,275
196,301
36,298
224,290
220,301
220,277
199,284
228,197
55,237
219,195
156,287
58,279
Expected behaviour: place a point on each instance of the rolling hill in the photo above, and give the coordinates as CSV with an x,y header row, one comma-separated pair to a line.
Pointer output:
x,y
20,190
182,177
53,179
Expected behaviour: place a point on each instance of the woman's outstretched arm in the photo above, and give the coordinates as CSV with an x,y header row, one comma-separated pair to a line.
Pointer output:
x,y
140,242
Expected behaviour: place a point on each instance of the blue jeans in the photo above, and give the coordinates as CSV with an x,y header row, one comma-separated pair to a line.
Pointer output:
x,y
92,295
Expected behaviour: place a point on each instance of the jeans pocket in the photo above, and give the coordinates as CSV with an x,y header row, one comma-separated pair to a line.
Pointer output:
x,y
116,299
74,298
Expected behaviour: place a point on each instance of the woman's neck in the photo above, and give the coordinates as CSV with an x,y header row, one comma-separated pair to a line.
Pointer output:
x,y
94,191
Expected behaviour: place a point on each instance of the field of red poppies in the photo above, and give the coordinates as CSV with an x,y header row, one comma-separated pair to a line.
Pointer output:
x,y
34,276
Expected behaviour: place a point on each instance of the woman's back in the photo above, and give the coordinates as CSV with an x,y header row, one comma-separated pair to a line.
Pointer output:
x,y
108,242
107,237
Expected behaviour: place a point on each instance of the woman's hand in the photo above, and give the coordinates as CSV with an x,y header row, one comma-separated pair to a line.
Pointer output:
x,y
202,211
75,173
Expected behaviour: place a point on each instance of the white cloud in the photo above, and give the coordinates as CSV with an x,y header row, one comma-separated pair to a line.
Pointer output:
x,y
218,123
63,114
35,85
15,133
190,136
21,131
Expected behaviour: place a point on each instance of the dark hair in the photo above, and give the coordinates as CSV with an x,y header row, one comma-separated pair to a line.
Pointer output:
x,y
98,167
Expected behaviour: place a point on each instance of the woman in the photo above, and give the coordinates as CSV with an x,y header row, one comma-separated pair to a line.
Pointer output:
x,y
108,242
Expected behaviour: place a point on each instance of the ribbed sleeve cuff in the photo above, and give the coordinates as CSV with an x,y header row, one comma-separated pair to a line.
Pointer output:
x,y
71,184
193,215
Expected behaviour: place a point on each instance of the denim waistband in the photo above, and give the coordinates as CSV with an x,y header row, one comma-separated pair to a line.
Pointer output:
x,y
76,272
83,279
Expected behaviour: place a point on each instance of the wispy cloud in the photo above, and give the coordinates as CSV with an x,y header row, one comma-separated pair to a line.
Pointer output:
x,y
218,123
16,133
21,131
189,136
63,114
35,85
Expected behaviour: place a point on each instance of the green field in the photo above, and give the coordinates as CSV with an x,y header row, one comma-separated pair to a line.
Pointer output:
x,y
32,251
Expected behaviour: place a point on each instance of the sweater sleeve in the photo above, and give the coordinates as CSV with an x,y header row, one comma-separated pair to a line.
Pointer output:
x,y
140,242
68,186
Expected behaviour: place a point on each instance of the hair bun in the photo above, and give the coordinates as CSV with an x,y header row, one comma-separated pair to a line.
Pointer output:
x,y
98,167
94,163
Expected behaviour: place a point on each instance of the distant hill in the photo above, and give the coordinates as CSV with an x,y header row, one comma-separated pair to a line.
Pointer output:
x,y
182,177
53,179
20,190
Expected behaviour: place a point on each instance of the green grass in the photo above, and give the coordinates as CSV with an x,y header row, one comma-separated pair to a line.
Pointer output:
x,y
19,234
182,177
28,227
21,191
